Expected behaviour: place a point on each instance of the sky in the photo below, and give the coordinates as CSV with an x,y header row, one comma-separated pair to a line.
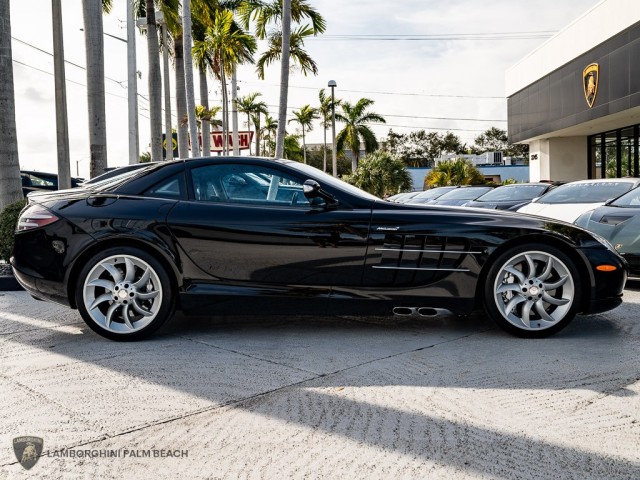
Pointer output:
x,y
433,65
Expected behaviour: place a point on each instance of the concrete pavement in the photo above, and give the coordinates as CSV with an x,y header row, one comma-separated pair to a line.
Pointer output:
x,y
320,397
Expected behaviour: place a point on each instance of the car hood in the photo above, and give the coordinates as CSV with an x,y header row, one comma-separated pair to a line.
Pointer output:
x,y
567,212
621,226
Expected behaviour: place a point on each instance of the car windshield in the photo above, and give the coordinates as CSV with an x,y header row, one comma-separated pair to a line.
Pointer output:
x,y
512,192
329,180
465,193
433,193
587,192
630,199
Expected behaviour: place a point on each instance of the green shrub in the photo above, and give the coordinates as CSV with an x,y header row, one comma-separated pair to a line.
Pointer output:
x,y
8,222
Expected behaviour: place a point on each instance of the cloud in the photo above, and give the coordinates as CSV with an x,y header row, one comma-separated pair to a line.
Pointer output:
x,y
36,95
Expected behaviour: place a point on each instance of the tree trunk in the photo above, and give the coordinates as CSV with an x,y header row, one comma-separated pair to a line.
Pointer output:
x,y
225,113
155,84
132,87
92,13
168,131
354,161
234,113
62,123
304,147
181,99
188,77
10,185
249,130
257,125
284,76
204,101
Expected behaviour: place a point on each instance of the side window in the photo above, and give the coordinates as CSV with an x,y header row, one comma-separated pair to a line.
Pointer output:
x,y
247,184
171,187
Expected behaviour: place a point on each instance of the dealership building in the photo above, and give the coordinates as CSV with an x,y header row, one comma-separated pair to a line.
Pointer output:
x,y
575,100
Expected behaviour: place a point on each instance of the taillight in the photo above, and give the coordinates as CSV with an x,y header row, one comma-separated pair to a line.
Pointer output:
x,y
35,216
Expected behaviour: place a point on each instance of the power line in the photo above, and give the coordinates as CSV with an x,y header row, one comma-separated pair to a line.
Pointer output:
x,y
66,61
440,36
71,81
380,93
418,116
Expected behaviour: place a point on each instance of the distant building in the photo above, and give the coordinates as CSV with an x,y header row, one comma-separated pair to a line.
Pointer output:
x,y
575,100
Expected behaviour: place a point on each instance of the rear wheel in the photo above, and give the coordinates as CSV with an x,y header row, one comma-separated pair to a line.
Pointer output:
x,y
532,291
124,294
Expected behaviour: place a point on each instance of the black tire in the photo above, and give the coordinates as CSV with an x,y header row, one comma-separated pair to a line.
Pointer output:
x,y
132,317
515,300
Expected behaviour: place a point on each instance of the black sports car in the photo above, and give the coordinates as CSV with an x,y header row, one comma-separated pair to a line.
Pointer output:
x,y
249,235
461,195
619,222
506,197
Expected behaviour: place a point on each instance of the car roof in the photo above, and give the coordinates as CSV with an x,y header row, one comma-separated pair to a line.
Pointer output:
x,y
606,180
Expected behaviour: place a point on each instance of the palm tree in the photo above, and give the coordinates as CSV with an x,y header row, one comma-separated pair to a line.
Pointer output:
x,y
228,46
301,58
92,14
187,39
10,187
247,105
454,172
259,109
206,116
283,11
305,117
62,123
356,117
325,110
170,13
292,150
381,174
155,83
270,130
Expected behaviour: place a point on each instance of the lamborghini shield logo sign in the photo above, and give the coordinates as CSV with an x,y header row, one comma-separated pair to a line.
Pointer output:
x,y
27,450
590,77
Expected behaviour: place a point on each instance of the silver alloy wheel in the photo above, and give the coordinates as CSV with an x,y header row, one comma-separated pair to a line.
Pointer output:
x,y
534,290
122,294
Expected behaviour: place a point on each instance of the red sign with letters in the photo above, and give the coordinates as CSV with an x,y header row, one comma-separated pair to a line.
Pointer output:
x,y
244,139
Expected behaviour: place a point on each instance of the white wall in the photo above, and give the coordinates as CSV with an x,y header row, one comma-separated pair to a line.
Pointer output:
x,y
602,22
559,158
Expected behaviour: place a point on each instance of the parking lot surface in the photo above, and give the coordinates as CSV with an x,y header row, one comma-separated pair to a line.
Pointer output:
x,y
270,397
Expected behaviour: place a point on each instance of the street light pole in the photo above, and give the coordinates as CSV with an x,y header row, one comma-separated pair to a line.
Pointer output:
x,y
333,85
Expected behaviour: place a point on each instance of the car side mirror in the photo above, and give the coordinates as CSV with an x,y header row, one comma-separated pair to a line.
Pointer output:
x,y
312,189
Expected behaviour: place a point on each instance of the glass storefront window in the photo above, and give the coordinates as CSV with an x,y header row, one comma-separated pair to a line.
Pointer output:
x,y
614,154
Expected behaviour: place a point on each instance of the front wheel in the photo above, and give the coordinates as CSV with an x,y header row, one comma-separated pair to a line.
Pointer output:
x,y
532,291
124,294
